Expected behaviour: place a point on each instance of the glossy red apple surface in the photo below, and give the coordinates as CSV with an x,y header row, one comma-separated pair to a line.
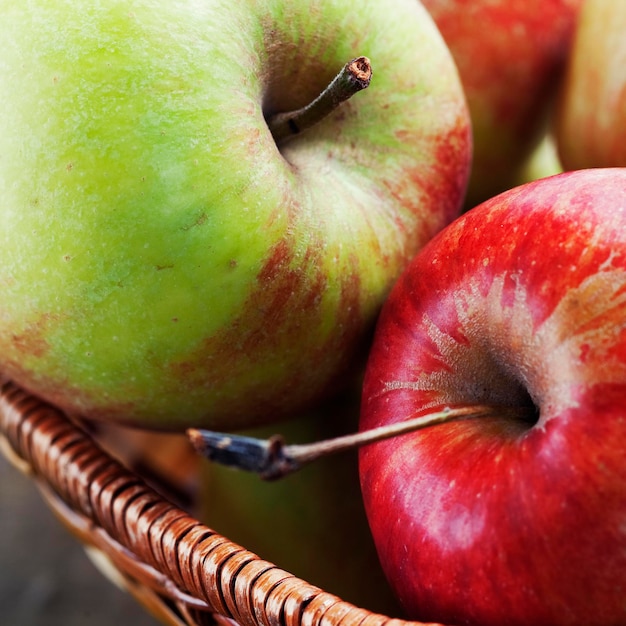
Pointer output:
x,y
518,518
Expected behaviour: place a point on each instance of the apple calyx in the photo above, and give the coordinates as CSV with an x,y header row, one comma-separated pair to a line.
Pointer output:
x,y
353,77
272,458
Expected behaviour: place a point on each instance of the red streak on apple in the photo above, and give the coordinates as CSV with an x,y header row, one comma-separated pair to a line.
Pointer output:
x,y
521,303
290,286
281,280
32,341
438,183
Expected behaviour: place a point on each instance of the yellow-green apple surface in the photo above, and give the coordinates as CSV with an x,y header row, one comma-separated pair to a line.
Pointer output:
x,y
511,55
543,162
590,119
518,517
162,260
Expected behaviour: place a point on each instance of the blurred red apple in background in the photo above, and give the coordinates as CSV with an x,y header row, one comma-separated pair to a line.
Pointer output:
x,y
591,114
518,518
510,55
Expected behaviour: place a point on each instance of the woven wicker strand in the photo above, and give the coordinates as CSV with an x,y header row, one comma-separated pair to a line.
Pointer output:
x,y
181,570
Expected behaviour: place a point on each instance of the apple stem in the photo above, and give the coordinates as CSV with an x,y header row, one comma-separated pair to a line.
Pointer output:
x,y
272,458
354,77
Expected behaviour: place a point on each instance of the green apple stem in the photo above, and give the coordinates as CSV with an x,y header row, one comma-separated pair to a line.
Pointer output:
x,y
272,458
354,77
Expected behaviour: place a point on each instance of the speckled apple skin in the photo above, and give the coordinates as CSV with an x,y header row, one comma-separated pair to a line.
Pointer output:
x,y
161,261
520,304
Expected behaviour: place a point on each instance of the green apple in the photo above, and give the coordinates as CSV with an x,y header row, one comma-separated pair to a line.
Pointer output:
x,y
311,523
590,121
511,55
162,260
543,162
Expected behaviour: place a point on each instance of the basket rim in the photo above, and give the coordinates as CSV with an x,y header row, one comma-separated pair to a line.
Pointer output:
x,y
151,542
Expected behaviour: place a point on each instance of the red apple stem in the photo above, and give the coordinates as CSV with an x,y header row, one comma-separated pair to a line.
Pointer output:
x,y
272,458
354,77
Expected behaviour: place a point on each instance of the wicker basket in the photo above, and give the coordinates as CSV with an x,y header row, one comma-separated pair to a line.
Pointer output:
x,y
176,567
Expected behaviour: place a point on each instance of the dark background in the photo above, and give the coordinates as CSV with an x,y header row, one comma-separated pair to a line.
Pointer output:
x,y
46,579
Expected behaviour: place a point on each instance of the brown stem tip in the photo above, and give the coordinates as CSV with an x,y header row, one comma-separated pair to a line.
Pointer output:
x,y
353,77
360,71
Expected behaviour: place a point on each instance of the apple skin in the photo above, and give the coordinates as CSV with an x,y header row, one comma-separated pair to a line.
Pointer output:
x,y
510,55
543,162
161,262
590,117
521,305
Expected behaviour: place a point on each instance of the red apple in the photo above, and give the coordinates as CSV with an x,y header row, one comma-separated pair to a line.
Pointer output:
x,y
520,517
591,114
510,55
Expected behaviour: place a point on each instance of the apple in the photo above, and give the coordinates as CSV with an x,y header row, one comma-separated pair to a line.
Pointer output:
x,y
543,162
518,517
164,262
590,119
510,55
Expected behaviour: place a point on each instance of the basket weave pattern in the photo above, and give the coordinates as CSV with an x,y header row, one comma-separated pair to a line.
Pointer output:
x,y
181,570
